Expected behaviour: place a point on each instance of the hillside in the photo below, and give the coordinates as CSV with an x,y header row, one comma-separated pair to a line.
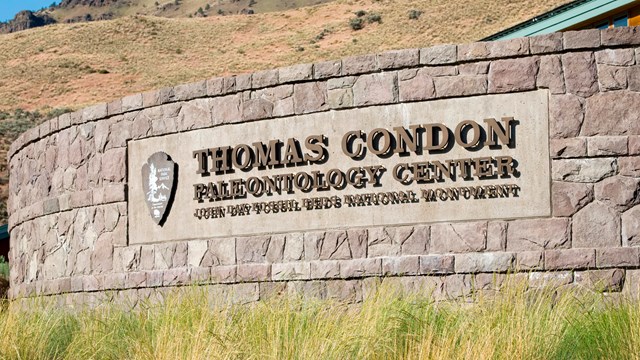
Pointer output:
x,y
75,65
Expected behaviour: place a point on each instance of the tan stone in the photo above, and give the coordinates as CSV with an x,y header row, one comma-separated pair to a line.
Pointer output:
x,y
607,145
615,57
405,265
295,73
627,35
596,225
253,272
436,264
309,97
538,234
509,48
360,267
461,85
264,78
550,279
327,69
291,271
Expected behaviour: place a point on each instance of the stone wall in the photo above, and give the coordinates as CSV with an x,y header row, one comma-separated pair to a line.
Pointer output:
x,y
68,182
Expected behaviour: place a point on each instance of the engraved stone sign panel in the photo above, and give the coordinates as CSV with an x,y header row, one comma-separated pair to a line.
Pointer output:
x,y
484,157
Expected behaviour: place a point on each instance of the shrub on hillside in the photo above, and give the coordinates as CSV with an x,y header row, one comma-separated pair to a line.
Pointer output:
x,y
414,14
356,23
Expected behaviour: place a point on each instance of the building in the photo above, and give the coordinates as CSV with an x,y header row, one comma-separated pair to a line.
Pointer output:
x,y
576,15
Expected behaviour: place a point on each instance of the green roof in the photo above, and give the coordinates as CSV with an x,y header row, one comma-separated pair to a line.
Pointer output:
x,y
560,18
4,232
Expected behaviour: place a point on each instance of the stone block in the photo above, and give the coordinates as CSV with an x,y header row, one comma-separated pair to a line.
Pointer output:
x,y
609,280
440,54
568,198
618,192
264,78
436,264
360,268
621,57
631,227
550,74
473,51
484,262
310,97
154,278
583,39
291,271
177,276
461,85
243,82
190,91
295,73
195,252
634,145
475,68
405,265
633,79
629,166
496,236
224,273
327,69
226,109
602,107
509,48
580,75
255,109
627,35
398,59
568,148
458,285
612,77
618,257
253,272
596,225
325,269
252,249
129,103
359,64
550,279
417,243
92,113
458,237
135,279
548,43
349,291
340,98
451,70
607,145
513,75
215,86
538,234
415,85
51,206
569,259
529,260
583,170
376,89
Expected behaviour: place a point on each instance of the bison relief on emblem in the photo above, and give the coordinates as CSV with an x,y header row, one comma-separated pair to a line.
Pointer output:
x,y
158,182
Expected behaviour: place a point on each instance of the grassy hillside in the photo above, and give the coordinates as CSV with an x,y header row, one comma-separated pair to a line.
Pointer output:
x,y
75,65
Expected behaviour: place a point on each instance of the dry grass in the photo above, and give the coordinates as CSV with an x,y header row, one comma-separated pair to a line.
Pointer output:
x,y
516,324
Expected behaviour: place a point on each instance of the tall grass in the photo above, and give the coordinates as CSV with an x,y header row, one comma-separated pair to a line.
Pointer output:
x,y
515,324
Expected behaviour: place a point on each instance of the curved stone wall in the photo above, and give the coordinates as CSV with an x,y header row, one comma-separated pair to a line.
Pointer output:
x,y
69,190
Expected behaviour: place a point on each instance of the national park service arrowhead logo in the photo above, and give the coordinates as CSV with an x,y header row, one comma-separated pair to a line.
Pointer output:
x,y
158,180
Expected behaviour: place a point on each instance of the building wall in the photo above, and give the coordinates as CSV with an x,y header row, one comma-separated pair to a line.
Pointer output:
x,y
69,191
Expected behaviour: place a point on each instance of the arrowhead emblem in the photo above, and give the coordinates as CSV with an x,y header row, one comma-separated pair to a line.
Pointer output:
x,y
158,180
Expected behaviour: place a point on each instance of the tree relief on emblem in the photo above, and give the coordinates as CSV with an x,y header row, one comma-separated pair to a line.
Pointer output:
x,y
158,182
